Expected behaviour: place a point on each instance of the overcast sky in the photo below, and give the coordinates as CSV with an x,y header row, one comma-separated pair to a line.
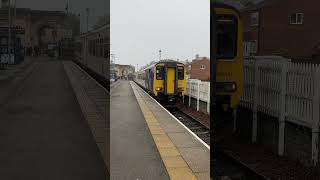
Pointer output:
x,y
139,28
97,7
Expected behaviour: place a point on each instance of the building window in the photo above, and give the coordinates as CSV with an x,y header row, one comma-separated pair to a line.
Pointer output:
x,y
296,18
254,20
202,67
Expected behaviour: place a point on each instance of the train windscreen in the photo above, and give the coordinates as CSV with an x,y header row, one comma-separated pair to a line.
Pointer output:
x,y
226,37
160,72
180,73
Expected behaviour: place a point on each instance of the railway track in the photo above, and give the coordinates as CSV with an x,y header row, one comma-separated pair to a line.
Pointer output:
x,y
196,127
99,78
227,168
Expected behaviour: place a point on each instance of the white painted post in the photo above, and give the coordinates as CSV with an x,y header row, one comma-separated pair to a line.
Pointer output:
x,y
183,99
208,99
198,95
282,118
255,103
189,93
315,116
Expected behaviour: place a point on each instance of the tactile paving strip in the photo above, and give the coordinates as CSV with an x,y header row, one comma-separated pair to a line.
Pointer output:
x,y
176,166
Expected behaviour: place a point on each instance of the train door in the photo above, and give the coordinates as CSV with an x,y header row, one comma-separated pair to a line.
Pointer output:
x,y
171,74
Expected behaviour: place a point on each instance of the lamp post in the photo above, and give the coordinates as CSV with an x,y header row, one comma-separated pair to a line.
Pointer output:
x,y
15,11
87,11
80,22
160,55
82,15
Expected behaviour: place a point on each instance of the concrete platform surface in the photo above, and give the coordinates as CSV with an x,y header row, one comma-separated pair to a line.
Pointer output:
x,y
94,102
43,133
133,153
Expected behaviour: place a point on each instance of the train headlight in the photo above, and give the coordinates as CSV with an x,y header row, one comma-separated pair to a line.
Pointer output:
x,y
158,89
226,87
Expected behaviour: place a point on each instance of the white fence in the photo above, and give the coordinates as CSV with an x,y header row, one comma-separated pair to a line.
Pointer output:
x,y
199,90
289,91
275,86
278,87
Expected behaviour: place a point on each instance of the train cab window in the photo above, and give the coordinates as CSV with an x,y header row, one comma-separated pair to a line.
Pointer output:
x,y
160,72
226,37
180,73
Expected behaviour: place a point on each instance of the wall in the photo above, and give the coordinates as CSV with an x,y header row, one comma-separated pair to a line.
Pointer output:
x,y
277,36
201,74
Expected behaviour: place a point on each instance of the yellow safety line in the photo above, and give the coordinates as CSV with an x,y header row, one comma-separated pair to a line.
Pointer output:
x,y
176,166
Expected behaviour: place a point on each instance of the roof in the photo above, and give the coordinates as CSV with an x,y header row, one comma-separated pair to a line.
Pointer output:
x,y
201,59
167,60
25,11
161,61
102,28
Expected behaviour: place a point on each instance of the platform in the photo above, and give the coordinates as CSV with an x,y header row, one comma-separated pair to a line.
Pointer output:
x,y
149,143
43,132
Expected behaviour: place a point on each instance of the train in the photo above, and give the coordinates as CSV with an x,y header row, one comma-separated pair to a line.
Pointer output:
x,y
92,53
165,80
229,55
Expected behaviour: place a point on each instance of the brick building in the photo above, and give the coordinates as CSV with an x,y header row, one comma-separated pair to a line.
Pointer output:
x,y
200,69
282,27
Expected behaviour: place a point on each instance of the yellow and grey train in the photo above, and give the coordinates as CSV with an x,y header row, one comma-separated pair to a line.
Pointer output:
x,y
165,79
229,55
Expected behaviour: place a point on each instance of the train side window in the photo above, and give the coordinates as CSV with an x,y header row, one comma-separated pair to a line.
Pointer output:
x,y
160,72
180,73
227,37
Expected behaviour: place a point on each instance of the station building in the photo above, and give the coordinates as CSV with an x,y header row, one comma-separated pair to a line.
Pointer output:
x,y
123,71
37,29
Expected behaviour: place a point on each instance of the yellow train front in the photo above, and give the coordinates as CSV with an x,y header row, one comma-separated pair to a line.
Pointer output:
x,y
229,66
165,80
